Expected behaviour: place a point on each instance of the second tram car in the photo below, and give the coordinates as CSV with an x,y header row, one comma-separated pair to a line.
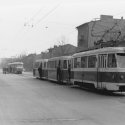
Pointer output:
x,y
101,69
58,69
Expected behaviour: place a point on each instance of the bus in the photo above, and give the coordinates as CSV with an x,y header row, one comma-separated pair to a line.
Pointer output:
x,y
15,67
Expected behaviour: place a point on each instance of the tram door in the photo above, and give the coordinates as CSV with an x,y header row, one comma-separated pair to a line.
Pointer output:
x,y
102,64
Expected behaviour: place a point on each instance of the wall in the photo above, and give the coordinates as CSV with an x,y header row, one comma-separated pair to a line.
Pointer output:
x,y
106,29
83,32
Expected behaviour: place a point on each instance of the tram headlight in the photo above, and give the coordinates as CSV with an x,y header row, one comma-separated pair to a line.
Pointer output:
x,y
121,77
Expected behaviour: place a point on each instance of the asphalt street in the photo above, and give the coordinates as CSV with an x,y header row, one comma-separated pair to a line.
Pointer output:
x,y
25,100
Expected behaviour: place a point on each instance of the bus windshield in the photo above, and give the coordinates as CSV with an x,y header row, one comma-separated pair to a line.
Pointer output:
x,y
121,60
19,66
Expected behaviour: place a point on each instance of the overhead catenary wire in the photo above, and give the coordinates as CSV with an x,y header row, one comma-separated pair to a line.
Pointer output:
x,y
37,13
47,14
33,17
29,23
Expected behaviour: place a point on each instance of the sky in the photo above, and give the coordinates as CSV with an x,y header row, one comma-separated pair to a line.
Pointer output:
x,y
33,26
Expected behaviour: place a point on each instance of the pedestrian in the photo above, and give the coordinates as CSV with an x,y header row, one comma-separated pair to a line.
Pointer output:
x,y
59,72
40,70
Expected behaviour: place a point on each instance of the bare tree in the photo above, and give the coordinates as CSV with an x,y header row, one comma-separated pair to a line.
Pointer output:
x,y
61,43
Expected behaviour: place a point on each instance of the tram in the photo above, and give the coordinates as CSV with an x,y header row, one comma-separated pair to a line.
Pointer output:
x,y
15,67
58,69
40,69
103,69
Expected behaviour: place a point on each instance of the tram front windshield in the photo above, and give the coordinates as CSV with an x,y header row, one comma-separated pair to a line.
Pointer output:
x,y
19,66
121,60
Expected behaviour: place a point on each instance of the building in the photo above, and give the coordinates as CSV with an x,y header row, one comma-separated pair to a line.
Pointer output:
x,y
100,30
61,50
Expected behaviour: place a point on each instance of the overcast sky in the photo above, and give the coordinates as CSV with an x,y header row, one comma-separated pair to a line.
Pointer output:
x,y
32,26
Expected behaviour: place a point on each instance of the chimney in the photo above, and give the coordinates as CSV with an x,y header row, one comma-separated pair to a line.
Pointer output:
x,y
106,17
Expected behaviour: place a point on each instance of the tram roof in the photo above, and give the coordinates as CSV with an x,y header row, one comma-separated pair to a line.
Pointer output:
x,y
102,50
15,63
60,58
41,60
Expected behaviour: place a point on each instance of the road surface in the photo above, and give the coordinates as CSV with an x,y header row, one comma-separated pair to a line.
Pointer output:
x,y
25,100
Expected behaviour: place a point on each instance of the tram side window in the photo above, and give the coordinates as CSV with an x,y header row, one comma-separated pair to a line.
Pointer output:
x,y
65,64
36,65
112,61
55,64
48,64
77,62
92,61
71,63
51,64
40,65
84,62
44,64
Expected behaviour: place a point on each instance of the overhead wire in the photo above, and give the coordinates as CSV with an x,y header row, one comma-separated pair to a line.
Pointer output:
x,y
47,14
33,17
